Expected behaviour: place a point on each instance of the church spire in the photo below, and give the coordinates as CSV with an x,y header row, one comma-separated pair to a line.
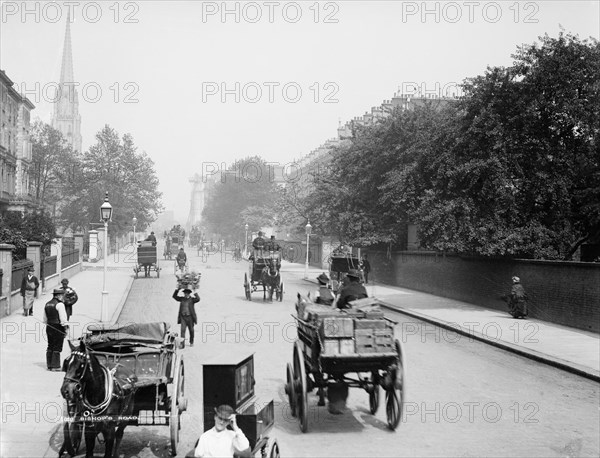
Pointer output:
x,y
66,116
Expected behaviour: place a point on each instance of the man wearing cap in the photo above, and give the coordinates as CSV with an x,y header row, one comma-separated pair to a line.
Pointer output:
x,y
29,291
352,291
324,295
55,318
187,312
151,238
517,301
220,441
70,297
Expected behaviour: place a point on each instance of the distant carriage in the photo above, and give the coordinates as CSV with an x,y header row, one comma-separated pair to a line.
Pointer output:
x,y
264,270
173,243
340,263
147,259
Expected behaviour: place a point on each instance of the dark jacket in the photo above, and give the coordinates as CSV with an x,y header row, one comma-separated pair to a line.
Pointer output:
x,y
366,266
181,257
352,291
24,286
189,301
258,243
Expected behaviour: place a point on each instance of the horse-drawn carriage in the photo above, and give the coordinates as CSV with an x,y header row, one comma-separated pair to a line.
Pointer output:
x,y
333,343
173,241
120,376
147,259
263,270
340,263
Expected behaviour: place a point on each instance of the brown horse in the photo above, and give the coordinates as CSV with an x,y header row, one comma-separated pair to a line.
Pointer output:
x,y
270,279
98,399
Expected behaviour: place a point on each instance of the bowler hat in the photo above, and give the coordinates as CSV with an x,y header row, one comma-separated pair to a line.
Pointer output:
x,y
224,412
323,278
353,273
65,281
187,290
57,291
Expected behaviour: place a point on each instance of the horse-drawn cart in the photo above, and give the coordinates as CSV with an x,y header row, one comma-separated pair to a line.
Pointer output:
x,y
139,372
333,343
147,259
263,270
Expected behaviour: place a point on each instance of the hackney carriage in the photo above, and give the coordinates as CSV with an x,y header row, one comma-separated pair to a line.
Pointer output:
x,y
264,270
340,263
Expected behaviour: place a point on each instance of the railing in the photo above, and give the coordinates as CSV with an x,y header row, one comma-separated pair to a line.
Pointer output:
x,y
69,257
1,274
49,267
19,270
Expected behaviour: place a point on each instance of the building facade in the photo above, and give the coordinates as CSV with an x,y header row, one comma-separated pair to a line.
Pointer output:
x,y
15,148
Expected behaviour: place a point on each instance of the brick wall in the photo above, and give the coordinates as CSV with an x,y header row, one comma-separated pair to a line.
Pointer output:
x,y
566,293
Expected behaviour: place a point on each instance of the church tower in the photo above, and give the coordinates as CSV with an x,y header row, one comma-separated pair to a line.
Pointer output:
x,y
66,116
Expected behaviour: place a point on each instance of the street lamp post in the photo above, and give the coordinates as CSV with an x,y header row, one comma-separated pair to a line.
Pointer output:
x,y
308,227
134,236
106,214
246,242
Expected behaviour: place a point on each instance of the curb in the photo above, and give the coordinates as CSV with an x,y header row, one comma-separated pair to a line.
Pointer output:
x,y
531,354
124,297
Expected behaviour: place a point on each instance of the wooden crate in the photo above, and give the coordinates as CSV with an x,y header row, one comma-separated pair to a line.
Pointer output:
x,y
337,327
364,340
384,340
365,323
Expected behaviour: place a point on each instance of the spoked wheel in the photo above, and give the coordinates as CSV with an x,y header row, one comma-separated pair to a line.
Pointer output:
x,y
157,271
301,388
290,389
73,433
374,392
247,288
280,292
178,405
272,449
396,390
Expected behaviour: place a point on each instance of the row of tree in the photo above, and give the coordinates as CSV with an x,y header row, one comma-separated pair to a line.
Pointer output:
x,y
511,169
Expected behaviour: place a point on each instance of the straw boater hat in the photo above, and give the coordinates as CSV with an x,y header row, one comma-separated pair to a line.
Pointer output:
x,y
353,273
516,280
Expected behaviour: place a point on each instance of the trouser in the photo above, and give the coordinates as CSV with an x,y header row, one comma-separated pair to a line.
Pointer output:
x,y
56,337
187,322
366,277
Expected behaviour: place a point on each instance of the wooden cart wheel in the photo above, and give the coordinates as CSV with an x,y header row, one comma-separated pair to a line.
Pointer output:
x,y
290,388
272,449
301,388
374,392
178,404
73,433
396,391
280,292
247,288
157,271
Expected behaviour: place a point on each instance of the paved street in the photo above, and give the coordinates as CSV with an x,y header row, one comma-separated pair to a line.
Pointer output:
x,y
465,398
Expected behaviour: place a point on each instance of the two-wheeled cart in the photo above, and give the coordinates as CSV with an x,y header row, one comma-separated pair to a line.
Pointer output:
x,y
147,259
334,343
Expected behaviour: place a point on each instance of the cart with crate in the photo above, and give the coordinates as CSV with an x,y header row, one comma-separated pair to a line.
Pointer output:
x,y
333,345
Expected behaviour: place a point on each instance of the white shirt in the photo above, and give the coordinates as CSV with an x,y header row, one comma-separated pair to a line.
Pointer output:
x,y
221,444
62,314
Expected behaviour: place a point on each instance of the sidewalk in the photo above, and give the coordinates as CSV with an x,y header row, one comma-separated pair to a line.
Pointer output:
x,y
570,349
31,400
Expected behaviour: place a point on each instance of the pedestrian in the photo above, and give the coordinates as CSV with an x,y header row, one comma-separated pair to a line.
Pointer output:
x,y
181,259
324,295
221,441
70,297
517,301
352,291
55,318
187,312
366,268
29,291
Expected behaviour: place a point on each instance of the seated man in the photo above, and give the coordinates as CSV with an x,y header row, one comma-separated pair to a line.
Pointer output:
x,y
259,242
324,295
352,291
151,238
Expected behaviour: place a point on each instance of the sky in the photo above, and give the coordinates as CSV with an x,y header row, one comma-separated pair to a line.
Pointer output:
x,y
201,84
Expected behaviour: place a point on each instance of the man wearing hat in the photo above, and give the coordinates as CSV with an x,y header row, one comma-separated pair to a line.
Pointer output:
x,y
29,291
324,295
187,312
55,318
220,441
352,291
70,297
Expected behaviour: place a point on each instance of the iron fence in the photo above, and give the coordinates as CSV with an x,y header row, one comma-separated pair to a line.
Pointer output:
x,y
49,266
69,257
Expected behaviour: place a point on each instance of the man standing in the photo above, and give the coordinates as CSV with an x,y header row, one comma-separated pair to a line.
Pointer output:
x,y
55,318
29,291
352,291
517,301
220,441
70,297
366,268
187,312
181,259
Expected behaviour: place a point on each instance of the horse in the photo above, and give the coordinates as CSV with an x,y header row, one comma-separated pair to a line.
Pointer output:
x,y
90,390
270,279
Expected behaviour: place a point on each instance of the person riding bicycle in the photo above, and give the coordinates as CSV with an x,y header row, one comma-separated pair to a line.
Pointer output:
x,y
181,259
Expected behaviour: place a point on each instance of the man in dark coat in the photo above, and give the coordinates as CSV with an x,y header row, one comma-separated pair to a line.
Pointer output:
x,y
55,318
352,291
70,297
181,258
151,238
517,301
366,268
187,312
29,291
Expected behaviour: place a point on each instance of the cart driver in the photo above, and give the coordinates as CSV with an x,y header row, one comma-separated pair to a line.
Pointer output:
x,y
151,238
258,244
222,441
352,291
